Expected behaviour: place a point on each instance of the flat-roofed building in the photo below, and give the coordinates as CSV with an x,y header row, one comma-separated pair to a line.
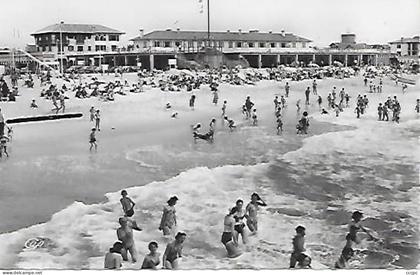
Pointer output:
x,y
409,47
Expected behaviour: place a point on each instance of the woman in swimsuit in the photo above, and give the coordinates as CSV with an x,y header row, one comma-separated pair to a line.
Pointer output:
x,y
239,215
354,228
151,260
252,210
173,252
228,237
168,221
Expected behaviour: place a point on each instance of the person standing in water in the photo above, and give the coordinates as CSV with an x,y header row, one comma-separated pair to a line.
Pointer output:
x,y
215,97
168,221
113,259
97,120
354,228
224,109
125,235
92,113
279,125
298,248
239,216
92,140
192,102
127,204
252,211
229,237
151,260
417,108
307,93
174,251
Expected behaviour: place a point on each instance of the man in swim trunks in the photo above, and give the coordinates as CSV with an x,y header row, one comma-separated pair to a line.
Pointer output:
x,y
298,248
173,252
113,259
252,211
151,260
228,237
127,204
125,235
168,221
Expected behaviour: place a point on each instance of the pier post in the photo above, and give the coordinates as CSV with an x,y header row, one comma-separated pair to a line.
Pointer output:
x,y
259,61
330,59
313,58
360,59
376,60
125,60
346,59
278,59
115,61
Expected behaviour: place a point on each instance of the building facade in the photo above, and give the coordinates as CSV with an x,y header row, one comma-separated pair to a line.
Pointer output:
x,y
74,42
406,47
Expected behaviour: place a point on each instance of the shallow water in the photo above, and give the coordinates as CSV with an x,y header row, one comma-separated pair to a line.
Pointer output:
x,y
315,181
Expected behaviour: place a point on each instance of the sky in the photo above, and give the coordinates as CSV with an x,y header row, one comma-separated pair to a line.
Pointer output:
x,y
323,21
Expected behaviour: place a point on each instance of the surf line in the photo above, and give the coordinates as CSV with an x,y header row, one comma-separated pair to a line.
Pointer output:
x,y
43,118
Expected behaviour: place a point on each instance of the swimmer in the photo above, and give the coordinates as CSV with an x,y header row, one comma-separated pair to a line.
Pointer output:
x,y
113,259
279,125
354,228
173,252
298,248
3,146
92,140
125,235
168,220
239,216
92,113
127,204
252,210
151,260
229,237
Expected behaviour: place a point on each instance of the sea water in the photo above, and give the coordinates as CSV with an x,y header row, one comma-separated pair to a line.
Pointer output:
x,y
315,181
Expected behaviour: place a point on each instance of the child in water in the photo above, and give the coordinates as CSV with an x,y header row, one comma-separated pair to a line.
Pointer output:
x,y
92,140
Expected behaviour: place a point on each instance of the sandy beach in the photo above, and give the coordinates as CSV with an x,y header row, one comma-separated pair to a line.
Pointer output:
x,y
52,186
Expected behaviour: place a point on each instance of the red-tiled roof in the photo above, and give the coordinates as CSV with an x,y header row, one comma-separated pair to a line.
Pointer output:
x,y
77,28
221,36
406,40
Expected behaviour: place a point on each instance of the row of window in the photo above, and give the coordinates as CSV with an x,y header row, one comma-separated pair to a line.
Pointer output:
x,y
77,48
231,44
78,37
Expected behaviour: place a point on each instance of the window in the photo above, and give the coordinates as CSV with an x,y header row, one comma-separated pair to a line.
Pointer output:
x,y
137,46
230,44
190,44
167,44
113,48
52,37
303,45
251,44
80,48
44,49
399,46
239,44
221,44
103,48
114,38
261,45
272,45
38,49
283,45
70,48
49,48
293,45
177,43
89,48
157,43
97,48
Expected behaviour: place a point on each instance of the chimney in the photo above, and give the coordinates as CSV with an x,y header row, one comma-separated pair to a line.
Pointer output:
x,y
283,33
240,31
141,33
228,31
177,30
270,32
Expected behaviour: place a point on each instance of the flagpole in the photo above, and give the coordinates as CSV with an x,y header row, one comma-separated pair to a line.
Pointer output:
x,y
208,22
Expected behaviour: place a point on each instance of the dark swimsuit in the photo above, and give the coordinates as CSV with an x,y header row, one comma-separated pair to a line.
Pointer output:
x,y
226,237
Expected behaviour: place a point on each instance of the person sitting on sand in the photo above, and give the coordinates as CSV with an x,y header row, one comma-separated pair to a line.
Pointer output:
x,y
168,221
125,235
174,251
298,248
252,211
113,259
324,112
127,204
229,239
151,260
